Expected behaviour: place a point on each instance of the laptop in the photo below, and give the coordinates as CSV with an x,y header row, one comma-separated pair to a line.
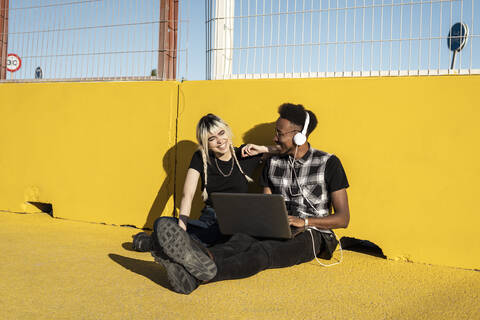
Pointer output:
x,y
255,214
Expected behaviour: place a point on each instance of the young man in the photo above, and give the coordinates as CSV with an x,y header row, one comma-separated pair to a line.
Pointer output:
x,y
311,182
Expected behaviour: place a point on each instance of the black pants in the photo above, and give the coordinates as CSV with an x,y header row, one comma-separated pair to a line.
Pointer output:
x,y
243,256
204,230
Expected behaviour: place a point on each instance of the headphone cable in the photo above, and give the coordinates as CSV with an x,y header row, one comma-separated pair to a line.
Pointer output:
x,y
314,253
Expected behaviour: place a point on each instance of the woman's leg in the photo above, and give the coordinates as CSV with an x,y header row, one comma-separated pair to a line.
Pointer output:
x,y
155,245
205,229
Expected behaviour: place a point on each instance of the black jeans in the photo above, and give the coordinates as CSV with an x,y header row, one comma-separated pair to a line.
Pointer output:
x,y
243,256
204,230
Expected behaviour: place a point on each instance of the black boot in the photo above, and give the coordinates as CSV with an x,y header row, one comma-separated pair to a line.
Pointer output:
x,y
179,247
142,242
179,278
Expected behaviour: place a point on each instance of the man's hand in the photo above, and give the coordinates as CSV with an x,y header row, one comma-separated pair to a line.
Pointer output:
x,y
296,222
253,149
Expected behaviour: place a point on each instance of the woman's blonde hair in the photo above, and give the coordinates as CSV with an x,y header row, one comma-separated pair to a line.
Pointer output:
x,y
207,125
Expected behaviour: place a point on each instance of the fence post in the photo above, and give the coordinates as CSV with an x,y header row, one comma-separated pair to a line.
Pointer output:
x,y
3,38
167,42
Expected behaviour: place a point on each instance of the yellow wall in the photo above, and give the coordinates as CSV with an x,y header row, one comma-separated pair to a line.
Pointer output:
x,y
95,151
102,151
409,147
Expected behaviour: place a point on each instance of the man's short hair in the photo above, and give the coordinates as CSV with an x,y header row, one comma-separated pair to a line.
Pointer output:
x,y
295,113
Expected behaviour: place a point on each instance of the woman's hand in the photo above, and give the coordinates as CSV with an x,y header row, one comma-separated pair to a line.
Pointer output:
x,y
182,222
252,150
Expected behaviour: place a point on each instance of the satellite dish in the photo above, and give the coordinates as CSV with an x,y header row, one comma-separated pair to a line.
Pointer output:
x,y
457,39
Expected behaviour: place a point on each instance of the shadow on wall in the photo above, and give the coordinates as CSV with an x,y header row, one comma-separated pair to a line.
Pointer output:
x,y
261,134
182,152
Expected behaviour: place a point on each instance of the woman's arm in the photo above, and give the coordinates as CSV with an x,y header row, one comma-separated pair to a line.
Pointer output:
x,y
191,181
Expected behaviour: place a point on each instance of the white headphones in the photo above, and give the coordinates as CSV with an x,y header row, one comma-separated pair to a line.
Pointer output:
x,y
301,137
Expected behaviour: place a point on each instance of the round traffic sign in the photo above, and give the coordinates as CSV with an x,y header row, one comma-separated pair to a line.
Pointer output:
x,y
457,37
13,62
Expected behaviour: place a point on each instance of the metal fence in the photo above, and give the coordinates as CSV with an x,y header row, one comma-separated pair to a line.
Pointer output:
x,y
92,39
148,39
337,38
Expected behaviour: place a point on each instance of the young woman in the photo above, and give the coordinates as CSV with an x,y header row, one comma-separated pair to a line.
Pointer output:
x,y
221,168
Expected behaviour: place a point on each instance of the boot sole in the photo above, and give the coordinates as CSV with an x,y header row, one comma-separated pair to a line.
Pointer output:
x,y
176,244
180,280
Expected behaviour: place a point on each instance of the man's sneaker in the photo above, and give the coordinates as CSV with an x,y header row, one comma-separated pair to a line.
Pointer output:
x,y
142,242
179,247
180,280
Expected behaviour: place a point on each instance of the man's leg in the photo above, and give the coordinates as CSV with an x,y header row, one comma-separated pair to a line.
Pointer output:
x,y
241,257
238,243
243,264
261,255
295,251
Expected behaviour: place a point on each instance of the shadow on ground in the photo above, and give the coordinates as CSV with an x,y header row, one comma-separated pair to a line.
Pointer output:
x,y
150,270
362,246
128,246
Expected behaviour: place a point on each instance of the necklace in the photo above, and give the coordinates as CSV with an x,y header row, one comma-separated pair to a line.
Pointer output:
x,y
221,172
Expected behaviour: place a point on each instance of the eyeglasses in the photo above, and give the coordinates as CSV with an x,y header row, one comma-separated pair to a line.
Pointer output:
x,y
279,134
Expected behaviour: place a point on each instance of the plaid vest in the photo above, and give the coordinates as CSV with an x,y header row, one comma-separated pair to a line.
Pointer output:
x,y
305,188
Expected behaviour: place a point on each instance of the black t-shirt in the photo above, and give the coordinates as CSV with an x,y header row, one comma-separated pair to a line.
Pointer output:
x,y
216,182
335,176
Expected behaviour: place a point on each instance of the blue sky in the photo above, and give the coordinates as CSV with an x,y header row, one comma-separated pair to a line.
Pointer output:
x,y
196,46
107,38
350,35
104,38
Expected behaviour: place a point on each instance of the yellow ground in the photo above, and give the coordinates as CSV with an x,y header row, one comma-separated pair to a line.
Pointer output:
x,y
60,269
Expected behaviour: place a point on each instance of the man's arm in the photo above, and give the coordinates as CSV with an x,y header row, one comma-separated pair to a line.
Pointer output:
x,y
267,190
339,219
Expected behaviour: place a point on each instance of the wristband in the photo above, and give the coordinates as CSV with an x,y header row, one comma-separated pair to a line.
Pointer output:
x,y
306,222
